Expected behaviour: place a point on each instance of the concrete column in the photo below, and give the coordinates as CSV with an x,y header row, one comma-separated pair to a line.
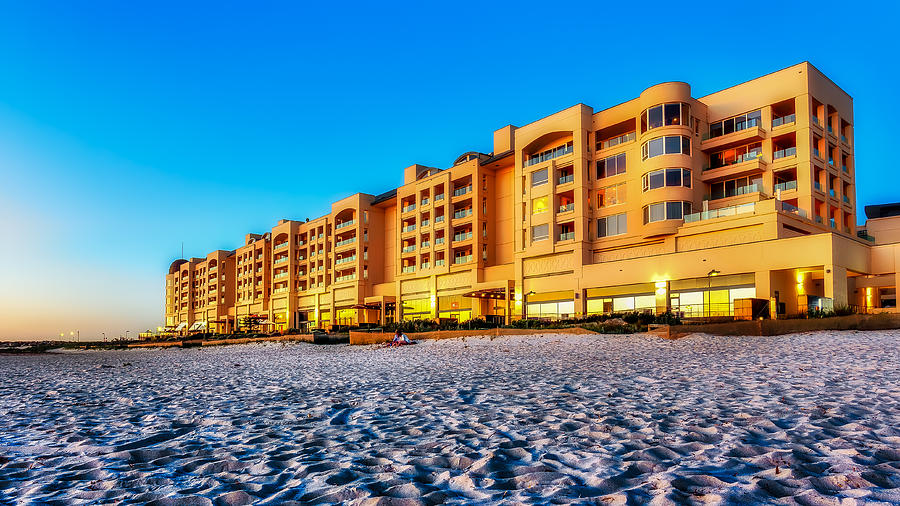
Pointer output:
x,y
836,284
763,282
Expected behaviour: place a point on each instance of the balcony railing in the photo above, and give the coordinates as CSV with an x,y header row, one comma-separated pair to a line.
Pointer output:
x,y
788,208
789,185
830,130
864,234
741,190
439,196
439,219
818,219
410,248
348,277
832,193
409,228
550,154
345,260
426,265
426,244
844,139
568,178
277,262
462,259
409,208
462,191
815,120
408,269
439,262
345,242
720,213
462,213
615,141
817,185
344,224
784,120
462,237
845,169
425,223
753,155
280,290
281,245
738,127
566,208
439,241
832,223
425,201
784,153
282,275
565,236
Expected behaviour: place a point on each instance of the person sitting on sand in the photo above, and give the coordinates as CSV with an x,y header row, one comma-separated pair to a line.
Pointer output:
x,y
400,339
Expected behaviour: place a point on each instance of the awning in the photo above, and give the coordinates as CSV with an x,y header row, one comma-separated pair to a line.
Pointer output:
x,y
197,326
370,305
493,293
180,326
267,322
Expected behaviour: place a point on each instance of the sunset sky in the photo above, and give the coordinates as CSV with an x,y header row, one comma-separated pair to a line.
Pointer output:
x,y
127,128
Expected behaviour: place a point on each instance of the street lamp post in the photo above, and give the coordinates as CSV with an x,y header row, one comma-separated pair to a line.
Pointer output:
x,y
126,334
709,276
525,303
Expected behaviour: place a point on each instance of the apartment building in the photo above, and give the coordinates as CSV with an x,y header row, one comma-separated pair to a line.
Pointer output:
x,y
667,202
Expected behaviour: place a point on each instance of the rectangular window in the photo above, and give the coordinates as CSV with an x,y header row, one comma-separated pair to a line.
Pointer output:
x,y
540,232
540,205
611,195
612,225
611,166
656,147
656,117
539,177
673,114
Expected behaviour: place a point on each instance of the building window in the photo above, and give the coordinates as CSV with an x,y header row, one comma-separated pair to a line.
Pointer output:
x,y
671,114
611,195
735,155
667,145
666,177
540,205
615,141
734,187
540,232
662,211
539,177
612,225
735,124
611,166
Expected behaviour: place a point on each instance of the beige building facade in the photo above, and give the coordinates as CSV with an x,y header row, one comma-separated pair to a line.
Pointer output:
x,y
667,202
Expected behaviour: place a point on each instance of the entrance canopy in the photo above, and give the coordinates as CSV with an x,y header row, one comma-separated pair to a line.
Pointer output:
x,y
491,293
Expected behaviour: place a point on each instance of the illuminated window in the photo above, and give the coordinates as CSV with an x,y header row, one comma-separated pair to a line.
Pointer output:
x,y
540,205
611,195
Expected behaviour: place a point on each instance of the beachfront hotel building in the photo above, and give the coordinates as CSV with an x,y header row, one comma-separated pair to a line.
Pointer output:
x,y
667,202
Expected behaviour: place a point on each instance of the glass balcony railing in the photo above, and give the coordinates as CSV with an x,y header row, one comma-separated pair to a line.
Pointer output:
x,y
845,169
566,208
425,223
565,236
426,265
282,275
345,224
818,219
278,261
615,141
462,213
784,120
281,245
832,193
426,244
784,153
410,248
439,219
746,157
345,242
439,196
830,130
462,191
425,201
740,190
568,178
832,223
738,126
815,120
720,213
439,262
550,154
462,237
792,209
409,228
844,139
410,207
817,185
789,185
462,259
864,234
280,290
408,269
345,260
831,162
348,277
439,241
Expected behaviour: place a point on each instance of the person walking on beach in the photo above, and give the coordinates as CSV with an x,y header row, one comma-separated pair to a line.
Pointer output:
x,y
400,339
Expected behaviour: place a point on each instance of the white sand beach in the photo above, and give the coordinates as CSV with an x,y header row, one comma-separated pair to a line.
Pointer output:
x,y
799,419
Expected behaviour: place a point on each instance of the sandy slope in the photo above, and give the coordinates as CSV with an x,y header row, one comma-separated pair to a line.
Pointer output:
x,y
809,418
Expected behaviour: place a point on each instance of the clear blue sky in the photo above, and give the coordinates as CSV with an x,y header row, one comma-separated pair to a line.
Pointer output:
x,y
129,127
